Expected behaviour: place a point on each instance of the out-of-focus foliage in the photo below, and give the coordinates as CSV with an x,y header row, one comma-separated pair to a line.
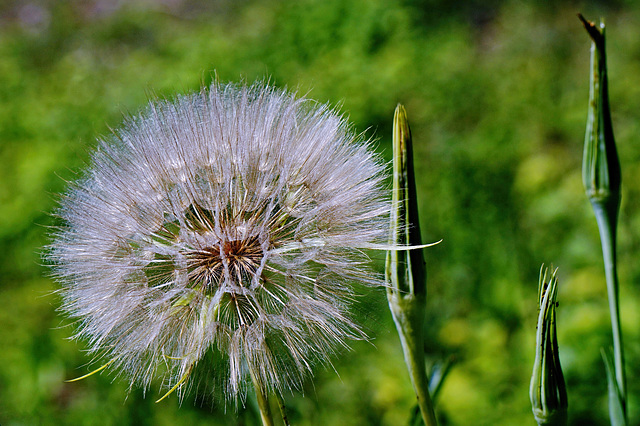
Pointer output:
x,y
496,93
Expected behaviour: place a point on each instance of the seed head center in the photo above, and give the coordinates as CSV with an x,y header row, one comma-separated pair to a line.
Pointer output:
x,y
241,257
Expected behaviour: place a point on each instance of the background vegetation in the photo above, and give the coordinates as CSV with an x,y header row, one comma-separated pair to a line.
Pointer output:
x,y
496,93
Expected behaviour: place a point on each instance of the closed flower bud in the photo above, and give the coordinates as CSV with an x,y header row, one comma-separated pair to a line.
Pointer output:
x,y
405,270
547,391
600,165
215,238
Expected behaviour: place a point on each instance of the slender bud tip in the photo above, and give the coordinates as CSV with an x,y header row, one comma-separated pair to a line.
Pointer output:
x,y
596,32
548,392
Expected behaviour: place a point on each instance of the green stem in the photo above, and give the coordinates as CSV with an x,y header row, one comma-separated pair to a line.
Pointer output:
x,y
607,227
408,315
263,401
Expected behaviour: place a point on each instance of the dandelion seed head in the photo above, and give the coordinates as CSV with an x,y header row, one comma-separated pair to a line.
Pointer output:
x,y
217,236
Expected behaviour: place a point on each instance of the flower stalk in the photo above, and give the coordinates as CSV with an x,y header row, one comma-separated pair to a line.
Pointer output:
x,y
602,181
547,391
263,402
405,269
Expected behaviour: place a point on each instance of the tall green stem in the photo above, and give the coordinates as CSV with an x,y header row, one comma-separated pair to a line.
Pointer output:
x,y
263,401
407,317
602,180
607,227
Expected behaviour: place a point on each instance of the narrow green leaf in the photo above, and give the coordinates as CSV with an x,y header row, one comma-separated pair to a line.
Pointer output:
x,y
616,409
437,376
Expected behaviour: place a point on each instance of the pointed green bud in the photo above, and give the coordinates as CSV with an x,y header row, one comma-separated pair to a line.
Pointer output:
x,y
547,391
600,165
406,270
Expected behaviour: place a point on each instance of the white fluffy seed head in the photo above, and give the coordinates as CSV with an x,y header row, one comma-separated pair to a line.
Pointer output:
x,y
217,237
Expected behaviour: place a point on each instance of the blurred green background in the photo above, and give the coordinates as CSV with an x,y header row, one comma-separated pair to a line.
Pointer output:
x,y
496,93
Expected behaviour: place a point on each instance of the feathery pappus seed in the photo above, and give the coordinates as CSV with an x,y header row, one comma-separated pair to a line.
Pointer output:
x,y
215,239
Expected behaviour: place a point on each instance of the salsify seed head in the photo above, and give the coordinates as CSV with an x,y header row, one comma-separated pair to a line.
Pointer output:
x,y
216,238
